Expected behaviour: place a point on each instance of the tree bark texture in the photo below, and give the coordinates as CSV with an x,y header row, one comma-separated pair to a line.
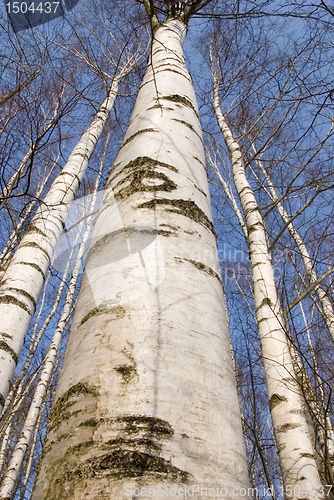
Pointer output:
x,y
24,277
147,394
288,410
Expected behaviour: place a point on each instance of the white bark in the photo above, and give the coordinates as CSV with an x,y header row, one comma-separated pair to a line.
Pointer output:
x,y
327,309
289,415
324,427
326,434
23,280
10,245
147,393
11,474
14,396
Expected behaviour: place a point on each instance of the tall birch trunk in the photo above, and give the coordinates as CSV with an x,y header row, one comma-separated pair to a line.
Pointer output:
x,y
23,279
327,309
13,470
289,415
147,395
14,467
324,427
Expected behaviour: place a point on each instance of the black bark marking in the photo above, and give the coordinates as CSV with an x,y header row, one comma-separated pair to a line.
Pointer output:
x,y
85,156
255,227
187,208
173,230
262,319
59,411
189,126
287,427
32,244
70,174
181,100
265,302
281,447
89,423
137,164
201,267
275,400
31,228
24,293
97,311
136,182
127,372
129,232
9,299
143,131
160,106
185,123
199,161
134,452
5,347
33,265
200,190
173,71
130,464
6,336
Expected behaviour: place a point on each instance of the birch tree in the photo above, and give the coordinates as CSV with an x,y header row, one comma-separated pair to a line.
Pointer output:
x,y
15,465
23,279
262,99
143,401
149,397
287,407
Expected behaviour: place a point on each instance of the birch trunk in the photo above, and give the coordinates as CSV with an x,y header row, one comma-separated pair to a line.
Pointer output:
x,y
10,245
147,395
23,279
289,416
12,472
327,309
15,464
324,427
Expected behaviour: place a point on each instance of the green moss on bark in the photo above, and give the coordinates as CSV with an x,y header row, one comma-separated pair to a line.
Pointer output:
x,y
275,400
141,162
59,411
188,208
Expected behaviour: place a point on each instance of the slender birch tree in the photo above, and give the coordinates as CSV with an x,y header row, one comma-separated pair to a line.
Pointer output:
x,y
288,411
24,276
147,394
15,465
23,279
